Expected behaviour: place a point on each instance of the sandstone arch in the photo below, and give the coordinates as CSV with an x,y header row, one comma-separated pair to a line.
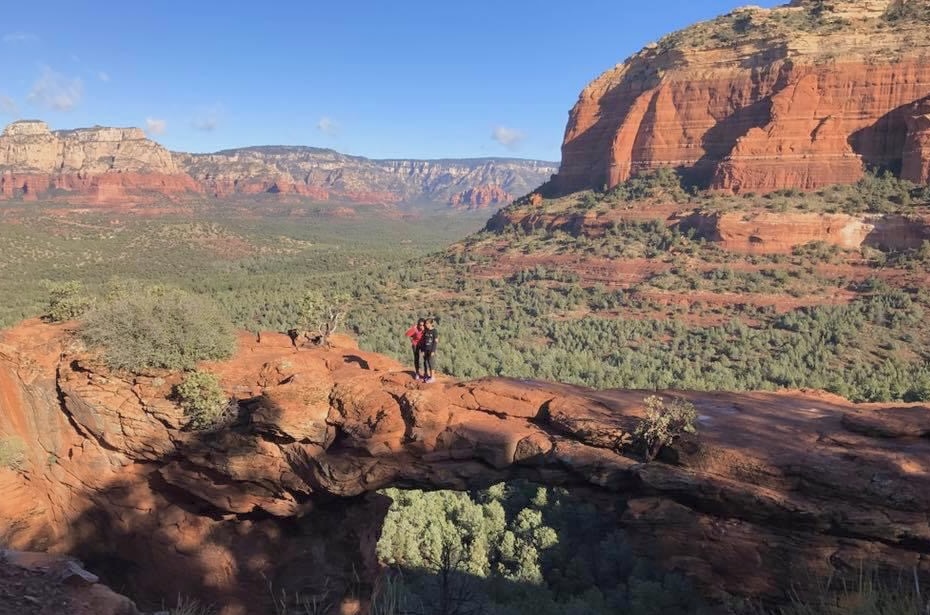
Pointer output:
x,y
796,481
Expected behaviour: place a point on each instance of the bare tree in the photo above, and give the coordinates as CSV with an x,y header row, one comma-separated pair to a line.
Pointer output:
x,y
320,315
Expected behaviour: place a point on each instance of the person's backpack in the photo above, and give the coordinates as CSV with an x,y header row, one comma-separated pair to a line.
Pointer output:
x,y
428,340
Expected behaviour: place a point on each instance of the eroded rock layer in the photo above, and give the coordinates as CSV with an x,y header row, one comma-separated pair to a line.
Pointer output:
x,y
774,491
801,96
753,230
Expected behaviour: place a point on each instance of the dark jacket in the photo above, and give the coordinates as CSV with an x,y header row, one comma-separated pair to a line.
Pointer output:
x,y
428,340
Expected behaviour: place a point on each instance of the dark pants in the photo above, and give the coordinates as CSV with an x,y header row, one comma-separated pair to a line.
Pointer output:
x,y
416,360
428,363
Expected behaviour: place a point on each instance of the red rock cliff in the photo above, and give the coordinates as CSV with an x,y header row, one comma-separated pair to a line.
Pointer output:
x,y
107,165
801,96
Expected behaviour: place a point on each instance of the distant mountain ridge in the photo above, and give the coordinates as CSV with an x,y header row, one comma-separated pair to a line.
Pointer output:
x,y
327,174
110,165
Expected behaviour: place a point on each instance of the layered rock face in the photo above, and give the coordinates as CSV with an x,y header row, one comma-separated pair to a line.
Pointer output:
x,y
774,233
774,491
328,174
801,96
104,163
752,230
116,165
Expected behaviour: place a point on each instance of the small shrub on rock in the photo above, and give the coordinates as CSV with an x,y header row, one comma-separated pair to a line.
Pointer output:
x,y
12,453
158,328
202,399
663,424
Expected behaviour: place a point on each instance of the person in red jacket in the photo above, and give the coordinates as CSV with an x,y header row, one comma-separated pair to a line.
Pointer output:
x,y
415,333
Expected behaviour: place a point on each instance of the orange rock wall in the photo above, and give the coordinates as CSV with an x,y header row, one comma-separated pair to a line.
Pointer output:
x,y
799,96
785,125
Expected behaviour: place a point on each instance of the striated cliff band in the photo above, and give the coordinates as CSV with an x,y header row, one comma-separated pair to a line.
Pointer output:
x,y
114,165
800,96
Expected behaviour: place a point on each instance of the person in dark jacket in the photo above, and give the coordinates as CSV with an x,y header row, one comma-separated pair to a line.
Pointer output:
x,y
428,343
415,333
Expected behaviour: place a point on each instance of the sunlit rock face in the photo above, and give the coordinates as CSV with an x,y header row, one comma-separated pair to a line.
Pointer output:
x,y
800,96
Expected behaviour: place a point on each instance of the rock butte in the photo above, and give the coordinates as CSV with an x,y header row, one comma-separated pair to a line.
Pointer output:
x,y
800,96
775,490
112,166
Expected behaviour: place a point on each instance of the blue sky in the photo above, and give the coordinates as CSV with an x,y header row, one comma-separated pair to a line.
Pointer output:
x,y
411,79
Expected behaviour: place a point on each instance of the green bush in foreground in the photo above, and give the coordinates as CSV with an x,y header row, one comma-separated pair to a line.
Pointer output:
x,y
67,300
202,399
158,328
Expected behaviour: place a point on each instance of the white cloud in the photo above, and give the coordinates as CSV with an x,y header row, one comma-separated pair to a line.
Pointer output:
x,y
508,137
55,91
7,105
209,119
155,126
103,76
328,126
20,37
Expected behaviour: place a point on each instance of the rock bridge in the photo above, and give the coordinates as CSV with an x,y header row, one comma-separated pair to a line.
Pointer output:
x,y
775,490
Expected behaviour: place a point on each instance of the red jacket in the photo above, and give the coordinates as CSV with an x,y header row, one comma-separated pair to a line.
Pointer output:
x,y
414,334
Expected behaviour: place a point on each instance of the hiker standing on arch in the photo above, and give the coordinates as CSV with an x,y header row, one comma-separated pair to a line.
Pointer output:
x,y
428,342
415,333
